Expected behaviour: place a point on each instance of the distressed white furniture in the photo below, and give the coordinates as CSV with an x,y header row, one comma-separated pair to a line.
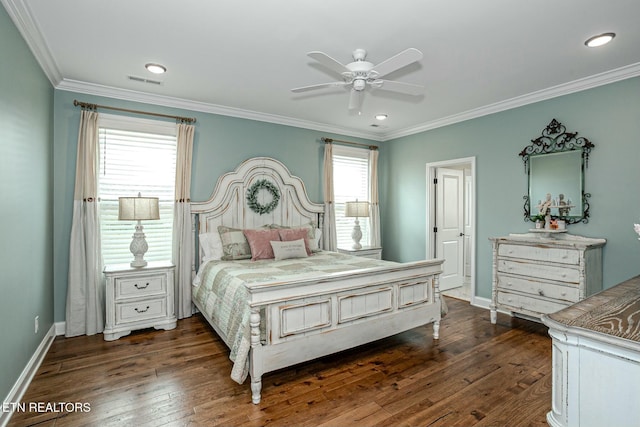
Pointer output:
x,y
365,252
138,298
596,360
540,273
311,318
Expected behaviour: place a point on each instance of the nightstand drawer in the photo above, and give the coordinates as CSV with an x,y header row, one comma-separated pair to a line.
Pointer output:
x,y
140,286
568,293
141,310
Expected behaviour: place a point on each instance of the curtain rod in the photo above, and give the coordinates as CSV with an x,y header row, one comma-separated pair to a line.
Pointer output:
x,y
96,106
357,144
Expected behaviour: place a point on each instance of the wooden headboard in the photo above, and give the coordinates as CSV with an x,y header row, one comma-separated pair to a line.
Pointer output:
x,y
228,203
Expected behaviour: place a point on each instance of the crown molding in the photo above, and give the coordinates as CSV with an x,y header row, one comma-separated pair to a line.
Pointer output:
x,y
185,104
612,76
22,17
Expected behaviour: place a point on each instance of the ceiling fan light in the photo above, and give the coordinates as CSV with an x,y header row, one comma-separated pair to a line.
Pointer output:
x,y
381,116
359,84
599,40
156,68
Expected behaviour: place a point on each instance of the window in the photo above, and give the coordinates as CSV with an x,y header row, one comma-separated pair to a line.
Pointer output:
x,y
350,182
136,156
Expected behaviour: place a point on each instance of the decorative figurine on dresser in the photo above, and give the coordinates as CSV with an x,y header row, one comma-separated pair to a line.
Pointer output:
x,y
547,269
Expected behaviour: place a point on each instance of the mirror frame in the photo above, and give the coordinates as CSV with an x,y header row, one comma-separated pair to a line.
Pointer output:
x,y
555,139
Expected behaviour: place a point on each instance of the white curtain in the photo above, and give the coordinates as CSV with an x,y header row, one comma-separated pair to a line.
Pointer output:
x,y
329,229
182,232
374,212
85,291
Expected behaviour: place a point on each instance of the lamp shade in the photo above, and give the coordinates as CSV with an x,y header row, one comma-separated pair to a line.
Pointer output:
x,y
356,209
138,208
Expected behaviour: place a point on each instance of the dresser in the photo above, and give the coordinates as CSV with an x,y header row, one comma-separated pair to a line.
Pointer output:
x,y
596,360
540,273
138,298
365,252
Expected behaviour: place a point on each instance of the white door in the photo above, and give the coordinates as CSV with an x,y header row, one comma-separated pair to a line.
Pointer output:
x,y
450,226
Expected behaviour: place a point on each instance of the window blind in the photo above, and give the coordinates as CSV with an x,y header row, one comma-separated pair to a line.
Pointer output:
x,y
350,182
133,162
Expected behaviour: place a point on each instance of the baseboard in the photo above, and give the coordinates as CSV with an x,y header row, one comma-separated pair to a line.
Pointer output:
x,y
61,328
20,387
481,302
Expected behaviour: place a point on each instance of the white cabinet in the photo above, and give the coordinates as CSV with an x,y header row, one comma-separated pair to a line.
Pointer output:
x,y
138,298
535,274
365,252
596,360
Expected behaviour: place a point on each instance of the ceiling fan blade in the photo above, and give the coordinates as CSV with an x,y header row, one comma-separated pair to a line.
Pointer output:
x,y
407,88
328,62
355,100
398,61
319,86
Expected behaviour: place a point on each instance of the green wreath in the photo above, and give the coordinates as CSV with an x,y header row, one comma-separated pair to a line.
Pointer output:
x,y
252,197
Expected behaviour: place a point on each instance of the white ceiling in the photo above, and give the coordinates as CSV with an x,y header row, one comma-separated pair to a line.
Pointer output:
x,y
242,57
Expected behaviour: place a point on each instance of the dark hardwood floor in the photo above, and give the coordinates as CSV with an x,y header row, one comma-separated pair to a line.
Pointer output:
x,y
477,374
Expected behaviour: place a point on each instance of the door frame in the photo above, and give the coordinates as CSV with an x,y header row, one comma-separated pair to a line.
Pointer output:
x,y
431,211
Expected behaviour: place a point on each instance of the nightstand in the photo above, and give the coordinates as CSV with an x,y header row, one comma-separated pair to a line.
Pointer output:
x,y
138,298
365,252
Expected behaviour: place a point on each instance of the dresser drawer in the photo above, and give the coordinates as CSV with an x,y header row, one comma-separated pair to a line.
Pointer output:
x,y
540,253
569,293
140,286
543,271
141,310
526,303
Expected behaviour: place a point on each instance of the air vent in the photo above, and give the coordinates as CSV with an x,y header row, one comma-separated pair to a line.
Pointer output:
x,y
143,80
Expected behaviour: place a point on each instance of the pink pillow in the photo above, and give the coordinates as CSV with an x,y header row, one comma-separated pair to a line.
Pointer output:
x,y
289,234
260,243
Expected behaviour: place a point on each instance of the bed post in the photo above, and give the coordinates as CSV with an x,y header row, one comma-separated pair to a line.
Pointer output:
x,y
436,324
255,361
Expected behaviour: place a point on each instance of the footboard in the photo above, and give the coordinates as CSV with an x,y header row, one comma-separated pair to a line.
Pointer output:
x,y
308,319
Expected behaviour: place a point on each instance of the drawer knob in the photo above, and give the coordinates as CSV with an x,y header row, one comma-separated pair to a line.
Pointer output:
x,y
540,292
141,287
139,310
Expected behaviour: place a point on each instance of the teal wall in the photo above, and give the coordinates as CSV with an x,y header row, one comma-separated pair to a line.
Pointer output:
x,y
221,143
608,115
26,283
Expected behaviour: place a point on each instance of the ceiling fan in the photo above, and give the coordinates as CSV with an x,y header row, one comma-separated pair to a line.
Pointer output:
x,y
359,74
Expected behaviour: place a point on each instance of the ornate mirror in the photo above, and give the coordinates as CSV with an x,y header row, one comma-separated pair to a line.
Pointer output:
x,y
555,163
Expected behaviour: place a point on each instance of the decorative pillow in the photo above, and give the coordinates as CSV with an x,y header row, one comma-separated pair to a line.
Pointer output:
x,y
290,249
289,234
314,244
211,245
313,236
234,244
259,243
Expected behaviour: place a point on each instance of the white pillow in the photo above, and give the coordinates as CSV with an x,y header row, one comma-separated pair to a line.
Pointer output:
x,y
289,249
314,244
211,245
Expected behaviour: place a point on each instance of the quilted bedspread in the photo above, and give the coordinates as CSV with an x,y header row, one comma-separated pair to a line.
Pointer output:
x,y
220,290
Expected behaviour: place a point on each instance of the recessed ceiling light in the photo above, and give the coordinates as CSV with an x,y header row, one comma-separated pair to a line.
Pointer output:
x,y
381,116
600,40
156,68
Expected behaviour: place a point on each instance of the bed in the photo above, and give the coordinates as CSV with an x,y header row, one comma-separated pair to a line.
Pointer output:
x,y
277,313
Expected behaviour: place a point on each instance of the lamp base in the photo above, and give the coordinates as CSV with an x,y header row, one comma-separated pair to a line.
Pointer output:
x,y
356,235
138,247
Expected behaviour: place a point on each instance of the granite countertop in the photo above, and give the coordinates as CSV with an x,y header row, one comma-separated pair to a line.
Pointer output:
x,y
614,311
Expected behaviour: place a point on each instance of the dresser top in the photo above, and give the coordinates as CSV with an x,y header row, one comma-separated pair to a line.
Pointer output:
x,y
614,312
564,239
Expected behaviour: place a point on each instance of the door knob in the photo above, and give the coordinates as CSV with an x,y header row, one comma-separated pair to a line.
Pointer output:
x,y
461,234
